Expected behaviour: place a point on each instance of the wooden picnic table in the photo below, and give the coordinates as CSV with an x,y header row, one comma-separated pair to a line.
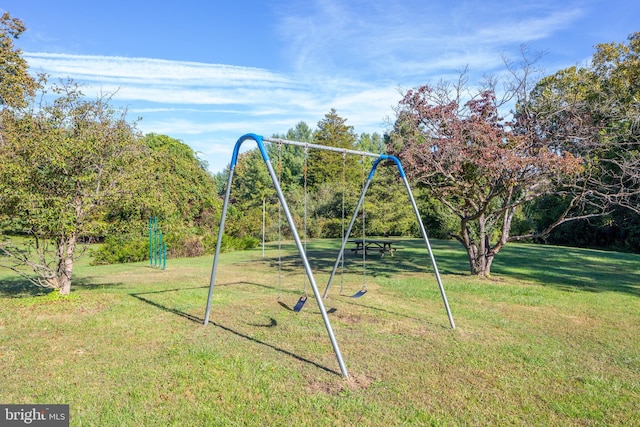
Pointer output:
x,y
382,246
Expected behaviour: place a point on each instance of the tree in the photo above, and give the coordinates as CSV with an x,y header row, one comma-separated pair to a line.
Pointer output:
x,y
16,85
62,165
180,188
325,166
594,112
288,160
173,186
479,166
301,132
373,143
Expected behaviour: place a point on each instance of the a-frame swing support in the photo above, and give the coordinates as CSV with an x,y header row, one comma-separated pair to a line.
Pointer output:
x,y
285,207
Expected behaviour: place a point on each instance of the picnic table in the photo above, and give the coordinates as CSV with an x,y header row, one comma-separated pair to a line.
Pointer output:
x,y
382,246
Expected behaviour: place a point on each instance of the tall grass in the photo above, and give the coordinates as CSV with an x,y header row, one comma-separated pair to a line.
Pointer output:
x,y
551,339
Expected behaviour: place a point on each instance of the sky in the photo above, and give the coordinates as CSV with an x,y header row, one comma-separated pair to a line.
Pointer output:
x,y
208,72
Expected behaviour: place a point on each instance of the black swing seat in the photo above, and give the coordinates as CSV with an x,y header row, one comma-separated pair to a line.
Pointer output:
x,y
296,308
300,304
360,293
284,304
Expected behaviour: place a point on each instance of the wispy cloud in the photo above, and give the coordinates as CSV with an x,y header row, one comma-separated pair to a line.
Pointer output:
x,y
184,83
519,30
407,39
353,56
217,103
154,71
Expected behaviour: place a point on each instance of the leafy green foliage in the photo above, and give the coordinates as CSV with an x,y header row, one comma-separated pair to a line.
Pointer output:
x,y
592,111
61,167
326,166
120,249
230,243
16,85
175,188
180,191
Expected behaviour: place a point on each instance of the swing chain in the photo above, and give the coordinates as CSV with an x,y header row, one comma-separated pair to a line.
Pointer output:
x,y
364,234
279,224
344,184
305,174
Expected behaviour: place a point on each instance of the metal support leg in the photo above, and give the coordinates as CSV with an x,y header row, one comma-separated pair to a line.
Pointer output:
x,y
433,260
305,261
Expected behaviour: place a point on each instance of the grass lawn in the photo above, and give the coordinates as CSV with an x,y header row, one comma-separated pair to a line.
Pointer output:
x,y
552,339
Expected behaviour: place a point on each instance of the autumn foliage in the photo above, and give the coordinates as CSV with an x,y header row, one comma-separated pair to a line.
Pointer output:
x,y
481,167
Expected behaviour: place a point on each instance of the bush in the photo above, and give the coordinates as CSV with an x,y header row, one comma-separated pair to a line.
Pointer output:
x,y
187,245
230,243
121,249
126,248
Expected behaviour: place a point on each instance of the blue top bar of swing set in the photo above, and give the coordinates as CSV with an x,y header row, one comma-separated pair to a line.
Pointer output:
x,y
243,138
260,141
387,157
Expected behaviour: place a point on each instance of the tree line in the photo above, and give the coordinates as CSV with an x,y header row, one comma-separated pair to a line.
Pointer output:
x,y
523,157
322,187
561,166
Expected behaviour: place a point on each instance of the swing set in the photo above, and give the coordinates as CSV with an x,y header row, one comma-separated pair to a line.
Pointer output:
x,y
283,207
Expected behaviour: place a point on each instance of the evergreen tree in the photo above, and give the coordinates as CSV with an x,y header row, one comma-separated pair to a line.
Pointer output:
x,y
326,166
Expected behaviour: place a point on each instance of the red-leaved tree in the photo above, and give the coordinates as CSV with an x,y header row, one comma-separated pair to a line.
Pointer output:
x,y
481,167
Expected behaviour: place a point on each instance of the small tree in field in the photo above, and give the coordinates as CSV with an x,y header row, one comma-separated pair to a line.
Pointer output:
x,y
61,166
479,166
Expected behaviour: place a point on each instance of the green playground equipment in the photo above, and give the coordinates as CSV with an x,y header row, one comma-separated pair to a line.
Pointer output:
x,y
157,247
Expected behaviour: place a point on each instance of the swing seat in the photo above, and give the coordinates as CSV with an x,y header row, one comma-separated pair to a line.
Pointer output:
x,y
360,293
300,304
285,305
296,308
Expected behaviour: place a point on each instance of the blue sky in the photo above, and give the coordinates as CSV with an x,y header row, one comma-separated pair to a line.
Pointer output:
x,y
207,72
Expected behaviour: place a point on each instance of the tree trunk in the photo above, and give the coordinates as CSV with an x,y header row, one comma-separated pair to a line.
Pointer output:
x,y
480,257
66,249
480,262
478,250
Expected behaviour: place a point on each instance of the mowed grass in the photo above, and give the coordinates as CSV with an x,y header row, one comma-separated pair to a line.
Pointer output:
x,y
551,339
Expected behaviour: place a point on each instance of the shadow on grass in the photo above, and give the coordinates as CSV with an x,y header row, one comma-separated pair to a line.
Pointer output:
x,y
328,303
146,298
18,287
21,288
323,261
139,296
278,349
361,303
570,269
88,283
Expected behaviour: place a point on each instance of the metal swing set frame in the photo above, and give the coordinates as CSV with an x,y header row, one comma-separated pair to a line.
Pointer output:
x,y
260,140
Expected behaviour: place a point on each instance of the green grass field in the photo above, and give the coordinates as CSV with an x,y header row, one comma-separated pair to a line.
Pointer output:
x,y
552,339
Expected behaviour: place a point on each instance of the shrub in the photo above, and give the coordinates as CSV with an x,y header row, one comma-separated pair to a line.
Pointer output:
x,y
121,249
230,243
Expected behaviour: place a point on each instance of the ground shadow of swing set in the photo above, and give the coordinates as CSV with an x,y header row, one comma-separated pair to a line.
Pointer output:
x,y
309,273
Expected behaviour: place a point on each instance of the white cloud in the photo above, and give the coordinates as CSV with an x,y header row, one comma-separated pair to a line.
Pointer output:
x,y
152,71
414,38
526,30
352,56
209,106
